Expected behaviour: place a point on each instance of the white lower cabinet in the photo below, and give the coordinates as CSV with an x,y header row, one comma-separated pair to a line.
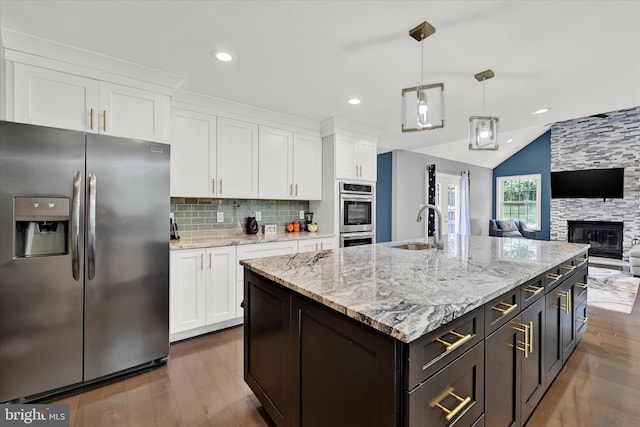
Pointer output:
x,y
186,290
220,291
202,291
311,245
206,286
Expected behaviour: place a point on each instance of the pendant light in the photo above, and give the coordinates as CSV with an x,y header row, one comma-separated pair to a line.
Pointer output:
x,y
422,105
483,130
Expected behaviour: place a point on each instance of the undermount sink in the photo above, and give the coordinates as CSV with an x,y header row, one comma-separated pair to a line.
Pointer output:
x,y
415,246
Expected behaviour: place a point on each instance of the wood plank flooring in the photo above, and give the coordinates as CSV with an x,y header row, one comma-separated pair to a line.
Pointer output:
x,y
202,385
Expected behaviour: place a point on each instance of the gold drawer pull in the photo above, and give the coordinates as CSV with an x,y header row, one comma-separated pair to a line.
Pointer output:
x,y
566,294
504,311
554,276
569,267
450,412
533,290
201,262
527,330
582,319
581,260
581,285
448,346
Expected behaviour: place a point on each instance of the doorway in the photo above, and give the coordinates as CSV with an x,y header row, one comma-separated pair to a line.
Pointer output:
x,y
448,201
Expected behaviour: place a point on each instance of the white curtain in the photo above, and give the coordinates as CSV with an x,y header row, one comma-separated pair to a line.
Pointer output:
x,y
465,216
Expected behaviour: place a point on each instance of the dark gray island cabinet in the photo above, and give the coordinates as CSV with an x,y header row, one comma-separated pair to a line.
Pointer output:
x,y
331,342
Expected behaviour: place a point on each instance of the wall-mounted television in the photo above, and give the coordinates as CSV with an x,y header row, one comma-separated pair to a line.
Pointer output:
x,y
588,183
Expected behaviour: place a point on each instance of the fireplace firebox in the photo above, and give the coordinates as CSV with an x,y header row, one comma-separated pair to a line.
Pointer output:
x,y
605,237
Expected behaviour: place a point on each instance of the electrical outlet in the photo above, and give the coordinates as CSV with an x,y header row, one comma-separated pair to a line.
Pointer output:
x,y
220,216
301,215
172,216
258,216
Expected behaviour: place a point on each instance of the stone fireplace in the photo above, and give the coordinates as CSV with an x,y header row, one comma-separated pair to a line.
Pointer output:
x,y
612,141
605,237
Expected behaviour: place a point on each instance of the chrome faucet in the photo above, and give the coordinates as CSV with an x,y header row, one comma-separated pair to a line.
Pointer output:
x,y
438,237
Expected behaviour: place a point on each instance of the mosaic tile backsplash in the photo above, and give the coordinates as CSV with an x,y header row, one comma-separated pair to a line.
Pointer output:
x,y
198,217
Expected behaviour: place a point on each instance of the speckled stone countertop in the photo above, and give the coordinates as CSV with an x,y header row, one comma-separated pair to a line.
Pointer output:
x,y
406,294
245,239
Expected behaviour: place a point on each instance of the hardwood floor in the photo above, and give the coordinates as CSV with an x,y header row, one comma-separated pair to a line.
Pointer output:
x,y
202,385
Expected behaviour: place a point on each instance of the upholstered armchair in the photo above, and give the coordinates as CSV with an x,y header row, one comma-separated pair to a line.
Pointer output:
x,y
510,228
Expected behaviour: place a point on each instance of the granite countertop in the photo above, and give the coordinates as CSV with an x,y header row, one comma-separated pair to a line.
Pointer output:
x,y
245,239
407,294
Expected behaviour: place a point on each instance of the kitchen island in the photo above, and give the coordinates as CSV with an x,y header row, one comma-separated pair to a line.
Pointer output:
x,y
379,335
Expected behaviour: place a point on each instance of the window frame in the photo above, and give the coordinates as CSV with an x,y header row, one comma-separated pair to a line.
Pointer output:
x,y
500,180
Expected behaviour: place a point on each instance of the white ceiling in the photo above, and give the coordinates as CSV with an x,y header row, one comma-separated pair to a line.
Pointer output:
x,y
307,58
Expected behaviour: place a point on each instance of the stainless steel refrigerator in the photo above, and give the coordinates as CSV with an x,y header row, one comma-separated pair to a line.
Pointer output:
x,y
84,258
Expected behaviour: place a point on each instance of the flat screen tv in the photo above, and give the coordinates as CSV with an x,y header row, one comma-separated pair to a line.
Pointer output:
x,y
588,183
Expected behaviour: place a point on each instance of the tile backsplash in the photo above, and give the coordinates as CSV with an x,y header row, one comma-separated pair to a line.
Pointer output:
x,y
197,217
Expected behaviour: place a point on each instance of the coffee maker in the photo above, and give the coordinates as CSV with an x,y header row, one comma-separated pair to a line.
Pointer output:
x,y
308,219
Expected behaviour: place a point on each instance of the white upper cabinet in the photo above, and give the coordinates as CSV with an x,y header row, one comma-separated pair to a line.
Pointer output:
x,y
133,113
307,167
51,98
355,158
237,159
367,160
193,154
54,98
346,165
275,169
290,165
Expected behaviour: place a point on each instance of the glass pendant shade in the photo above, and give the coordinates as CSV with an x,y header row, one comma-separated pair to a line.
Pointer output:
x,y
423,107
483,133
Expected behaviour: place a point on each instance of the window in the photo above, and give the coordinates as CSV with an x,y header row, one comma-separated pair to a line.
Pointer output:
x,y
518,197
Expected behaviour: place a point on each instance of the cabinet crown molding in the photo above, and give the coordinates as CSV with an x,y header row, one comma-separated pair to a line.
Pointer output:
x,y
339,125
234,110
27,48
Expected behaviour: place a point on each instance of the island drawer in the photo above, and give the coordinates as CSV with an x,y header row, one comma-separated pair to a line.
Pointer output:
x,y
452,397
498,311
532,290
553,277
580,290
434,351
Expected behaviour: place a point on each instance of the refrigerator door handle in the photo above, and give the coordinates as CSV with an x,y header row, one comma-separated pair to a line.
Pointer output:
x,y
75,225
91,228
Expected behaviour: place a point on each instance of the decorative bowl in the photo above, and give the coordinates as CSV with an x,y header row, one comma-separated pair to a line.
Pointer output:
x,y
312,227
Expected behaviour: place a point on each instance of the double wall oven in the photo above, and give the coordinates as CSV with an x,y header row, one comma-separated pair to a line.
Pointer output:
x,y
356,214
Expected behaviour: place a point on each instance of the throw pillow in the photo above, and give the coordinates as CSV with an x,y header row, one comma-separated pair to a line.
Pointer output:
x,y
507,225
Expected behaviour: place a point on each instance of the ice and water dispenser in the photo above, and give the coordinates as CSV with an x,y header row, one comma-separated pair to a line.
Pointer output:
x,y
41,225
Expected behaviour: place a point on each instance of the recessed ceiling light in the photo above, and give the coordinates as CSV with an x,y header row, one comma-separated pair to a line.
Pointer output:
x,y
222,55
509,140
354,101
541,111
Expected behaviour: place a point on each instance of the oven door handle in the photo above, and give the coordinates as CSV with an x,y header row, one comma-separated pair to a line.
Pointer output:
x,y
358,197
356,235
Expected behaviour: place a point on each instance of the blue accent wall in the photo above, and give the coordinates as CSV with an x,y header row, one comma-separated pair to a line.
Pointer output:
x,y
534,158
383,197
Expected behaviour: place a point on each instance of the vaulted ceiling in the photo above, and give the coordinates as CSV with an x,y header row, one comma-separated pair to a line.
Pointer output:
x,y
307,58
